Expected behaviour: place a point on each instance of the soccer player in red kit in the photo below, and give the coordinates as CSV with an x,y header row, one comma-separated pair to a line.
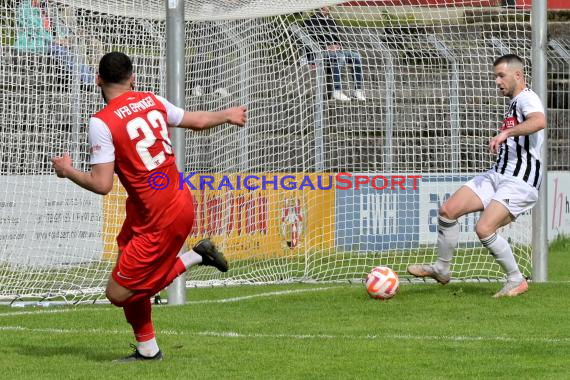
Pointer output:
x,y
130,136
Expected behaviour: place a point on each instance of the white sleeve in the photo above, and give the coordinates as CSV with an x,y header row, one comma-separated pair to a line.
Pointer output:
x,y
100,142
173,113
530,103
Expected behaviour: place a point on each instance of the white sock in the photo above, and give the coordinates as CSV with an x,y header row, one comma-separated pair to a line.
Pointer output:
x,y
502,252
447,236
190,258
148,348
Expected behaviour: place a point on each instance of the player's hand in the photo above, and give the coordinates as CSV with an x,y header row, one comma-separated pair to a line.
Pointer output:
x,y
237,116
333,47
496,142
62,165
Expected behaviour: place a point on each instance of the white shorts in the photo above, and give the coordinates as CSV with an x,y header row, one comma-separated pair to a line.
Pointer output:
x,y
515,194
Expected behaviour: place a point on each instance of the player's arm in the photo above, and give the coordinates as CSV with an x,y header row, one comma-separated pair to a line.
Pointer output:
x,y
99,180
534,122
201,120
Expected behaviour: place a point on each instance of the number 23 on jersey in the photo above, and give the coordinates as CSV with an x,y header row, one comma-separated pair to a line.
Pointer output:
x,y
148,126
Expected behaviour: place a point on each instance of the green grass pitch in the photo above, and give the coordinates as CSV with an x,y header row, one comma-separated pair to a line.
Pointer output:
x,y
309,331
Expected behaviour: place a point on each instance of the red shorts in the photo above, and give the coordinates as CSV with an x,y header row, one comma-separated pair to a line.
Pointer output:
x,y
146,258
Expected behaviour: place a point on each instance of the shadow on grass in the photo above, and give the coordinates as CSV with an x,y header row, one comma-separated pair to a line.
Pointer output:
x,y
453,289
84,352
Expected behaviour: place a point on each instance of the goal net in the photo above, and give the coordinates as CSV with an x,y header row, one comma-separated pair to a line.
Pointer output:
x,y
396,89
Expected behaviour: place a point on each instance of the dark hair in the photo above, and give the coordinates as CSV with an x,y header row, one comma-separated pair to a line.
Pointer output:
x,y
508,59
115,67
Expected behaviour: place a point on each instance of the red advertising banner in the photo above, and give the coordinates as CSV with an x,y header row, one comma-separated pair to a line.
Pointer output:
x,y
552,4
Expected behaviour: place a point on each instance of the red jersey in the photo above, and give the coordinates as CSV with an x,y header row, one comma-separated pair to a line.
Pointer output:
x,y
132,130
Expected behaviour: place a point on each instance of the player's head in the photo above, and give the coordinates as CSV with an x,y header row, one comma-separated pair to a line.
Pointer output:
x,y
509,74
115,67
115,70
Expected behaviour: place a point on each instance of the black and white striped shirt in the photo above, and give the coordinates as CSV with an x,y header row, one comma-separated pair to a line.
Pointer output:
x,y
519,156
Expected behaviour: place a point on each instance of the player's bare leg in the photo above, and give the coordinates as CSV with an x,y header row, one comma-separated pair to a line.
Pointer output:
x,y
116,293
463,201
497,215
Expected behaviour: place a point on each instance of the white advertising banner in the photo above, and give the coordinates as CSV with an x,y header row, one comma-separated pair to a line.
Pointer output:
x,y
558,204
48,221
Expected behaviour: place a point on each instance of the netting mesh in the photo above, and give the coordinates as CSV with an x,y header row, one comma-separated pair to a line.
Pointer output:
x,y
430,108
53,232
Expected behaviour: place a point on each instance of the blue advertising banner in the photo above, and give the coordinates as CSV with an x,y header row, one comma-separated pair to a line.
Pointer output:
x,y
373,219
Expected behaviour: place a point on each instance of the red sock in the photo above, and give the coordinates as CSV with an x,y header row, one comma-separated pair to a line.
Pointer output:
x,y
138,314
175,271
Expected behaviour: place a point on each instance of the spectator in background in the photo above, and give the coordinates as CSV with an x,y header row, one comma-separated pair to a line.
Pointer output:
x,y
324,30
88,46
39,31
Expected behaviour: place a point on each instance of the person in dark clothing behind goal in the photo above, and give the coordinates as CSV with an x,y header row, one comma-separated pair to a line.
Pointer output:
x,y
324,30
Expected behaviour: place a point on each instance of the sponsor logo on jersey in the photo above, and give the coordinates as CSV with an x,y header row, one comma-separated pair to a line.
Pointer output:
x,y
95,149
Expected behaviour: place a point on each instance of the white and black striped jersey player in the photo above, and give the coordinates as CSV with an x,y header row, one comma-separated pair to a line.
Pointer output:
x,y
519,156
505,191
516,176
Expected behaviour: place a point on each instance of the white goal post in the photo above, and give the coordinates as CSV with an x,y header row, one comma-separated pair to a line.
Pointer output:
x,y
430,106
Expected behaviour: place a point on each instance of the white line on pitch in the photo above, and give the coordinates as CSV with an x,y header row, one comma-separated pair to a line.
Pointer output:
x,y
65,309
268,294
229,334
52,311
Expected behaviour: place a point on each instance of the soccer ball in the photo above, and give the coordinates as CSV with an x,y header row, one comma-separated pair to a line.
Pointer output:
x,y
382,283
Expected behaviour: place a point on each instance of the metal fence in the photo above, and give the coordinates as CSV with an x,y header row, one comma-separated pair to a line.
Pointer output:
x,y
558,103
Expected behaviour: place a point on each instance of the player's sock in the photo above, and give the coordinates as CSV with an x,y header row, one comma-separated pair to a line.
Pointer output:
x,y
178,268
502,252
447,236
190,258
148,348
138,314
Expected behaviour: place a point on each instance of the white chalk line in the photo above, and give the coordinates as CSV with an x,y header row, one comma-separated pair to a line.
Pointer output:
x,y
65,309
269,294
237,335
